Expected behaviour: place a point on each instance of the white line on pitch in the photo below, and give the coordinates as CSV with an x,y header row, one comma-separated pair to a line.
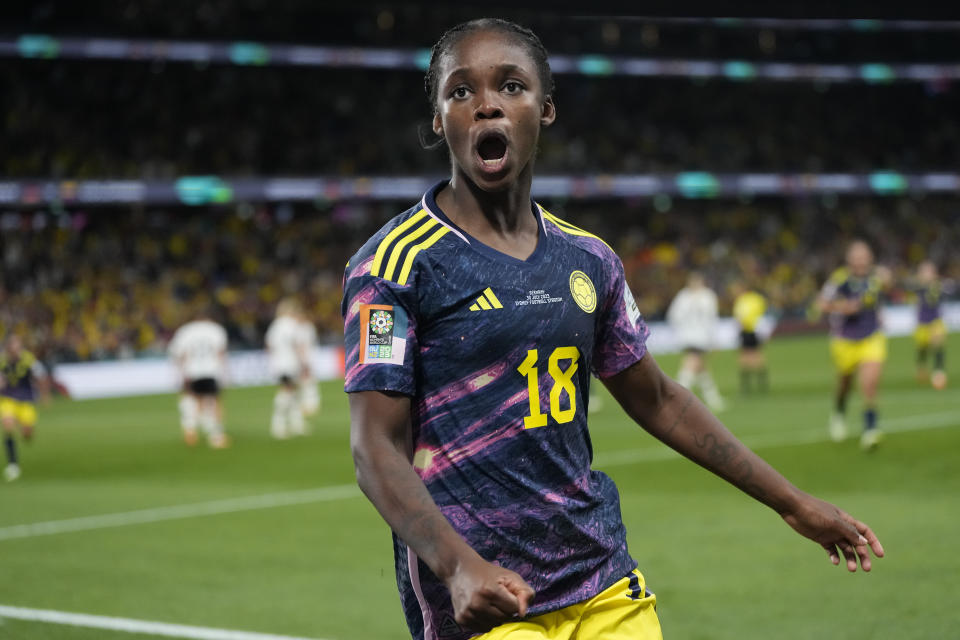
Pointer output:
x,y
178,512
137,626
780,439
340,492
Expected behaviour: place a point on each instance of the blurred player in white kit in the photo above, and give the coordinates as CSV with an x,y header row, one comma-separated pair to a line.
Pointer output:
x,y
693,316
290,339
199,351
309,391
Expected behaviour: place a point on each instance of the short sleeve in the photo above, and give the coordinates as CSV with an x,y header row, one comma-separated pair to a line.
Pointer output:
x,y
831,288
622,333
379,333
38,369
173,348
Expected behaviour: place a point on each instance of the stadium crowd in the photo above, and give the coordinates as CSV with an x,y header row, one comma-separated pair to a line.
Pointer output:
x,y
117,283
88,119
418,24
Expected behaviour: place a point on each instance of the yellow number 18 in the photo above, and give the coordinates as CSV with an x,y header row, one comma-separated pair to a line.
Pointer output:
x,y
562,381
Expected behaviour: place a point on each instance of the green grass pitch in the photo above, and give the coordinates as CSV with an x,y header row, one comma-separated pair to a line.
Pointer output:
x,y
723,566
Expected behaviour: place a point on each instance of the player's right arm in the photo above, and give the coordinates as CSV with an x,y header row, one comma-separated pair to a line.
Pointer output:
x,y
830,300
483,595
381,341
178,359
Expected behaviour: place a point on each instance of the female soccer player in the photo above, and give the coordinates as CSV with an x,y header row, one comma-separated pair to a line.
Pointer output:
x,y
857,344
749,305
473,322
693,317
931,332
21,378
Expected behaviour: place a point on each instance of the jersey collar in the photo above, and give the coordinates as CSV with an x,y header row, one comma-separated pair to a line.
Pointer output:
x,y
429,204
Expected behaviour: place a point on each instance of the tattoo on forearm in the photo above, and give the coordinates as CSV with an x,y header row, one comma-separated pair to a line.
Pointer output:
x,y
420,521
744,481
680,415
721,456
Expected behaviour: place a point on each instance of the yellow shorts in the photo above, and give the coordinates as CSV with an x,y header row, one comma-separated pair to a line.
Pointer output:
x,y
23,412
925,333
625,611
849,354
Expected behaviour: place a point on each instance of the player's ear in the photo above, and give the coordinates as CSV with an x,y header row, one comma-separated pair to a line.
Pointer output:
x,y
548,112
437,125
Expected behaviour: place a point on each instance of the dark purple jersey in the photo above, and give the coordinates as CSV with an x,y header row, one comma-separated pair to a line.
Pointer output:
x,y
844,285
928,303
496,354
19,375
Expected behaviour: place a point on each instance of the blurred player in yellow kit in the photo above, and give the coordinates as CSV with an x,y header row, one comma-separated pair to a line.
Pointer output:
x,y
857,344
748,307
931,332
21,377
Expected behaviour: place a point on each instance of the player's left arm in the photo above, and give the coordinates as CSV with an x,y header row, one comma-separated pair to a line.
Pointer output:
x,y
303,355
675,416
42,378
884,276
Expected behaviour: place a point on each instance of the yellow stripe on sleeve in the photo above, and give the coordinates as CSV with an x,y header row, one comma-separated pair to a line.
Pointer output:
x,y
484,304
566,227
417,248
492,298
402,244
385,243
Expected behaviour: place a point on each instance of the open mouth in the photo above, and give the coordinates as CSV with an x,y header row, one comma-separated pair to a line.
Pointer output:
x,y
492,149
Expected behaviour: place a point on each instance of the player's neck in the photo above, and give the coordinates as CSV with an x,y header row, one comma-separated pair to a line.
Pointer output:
x,y
503,220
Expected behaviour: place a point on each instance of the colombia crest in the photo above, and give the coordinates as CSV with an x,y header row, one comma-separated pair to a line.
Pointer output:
x,y
583,292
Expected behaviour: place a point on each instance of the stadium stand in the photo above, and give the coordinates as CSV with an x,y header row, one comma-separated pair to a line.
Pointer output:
x,y
115,282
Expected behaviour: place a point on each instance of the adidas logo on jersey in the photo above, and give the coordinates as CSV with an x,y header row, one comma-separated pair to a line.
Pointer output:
x,y
449,627
486,301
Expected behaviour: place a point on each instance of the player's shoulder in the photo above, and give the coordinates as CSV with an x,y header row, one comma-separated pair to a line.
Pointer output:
x,y
306,330
208,329
220,330
274,325
576,237
395,226
393,252
839,275
183,330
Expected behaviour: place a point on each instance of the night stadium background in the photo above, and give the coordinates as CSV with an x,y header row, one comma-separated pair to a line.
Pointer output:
x,y
155,160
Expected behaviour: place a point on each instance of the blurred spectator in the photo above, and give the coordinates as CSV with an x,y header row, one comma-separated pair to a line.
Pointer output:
x,y
419,24
94,119
117,283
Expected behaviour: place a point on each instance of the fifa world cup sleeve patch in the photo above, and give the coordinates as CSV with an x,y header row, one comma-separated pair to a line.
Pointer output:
x,y
383,331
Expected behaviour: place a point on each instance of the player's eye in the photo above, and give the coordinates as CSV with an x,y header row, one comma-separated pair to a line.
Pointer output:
x,y
459,93
512,87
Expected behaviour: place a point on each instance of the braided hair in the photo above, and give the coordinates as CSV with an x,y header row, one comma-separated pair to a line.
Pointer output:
x,y
527,38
